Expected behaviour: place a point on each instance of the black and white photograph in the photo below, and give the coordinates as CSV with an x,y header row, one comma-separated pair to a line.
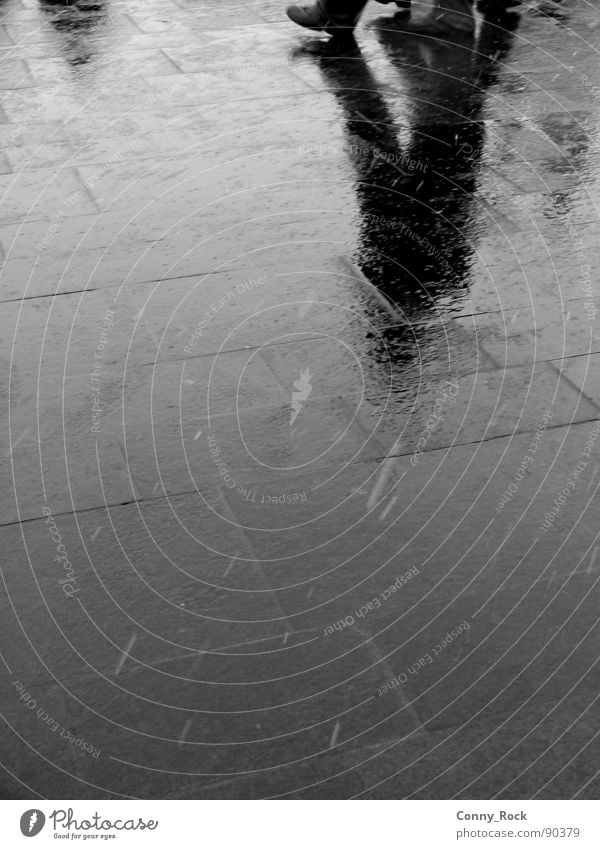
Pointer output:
x,y
300,391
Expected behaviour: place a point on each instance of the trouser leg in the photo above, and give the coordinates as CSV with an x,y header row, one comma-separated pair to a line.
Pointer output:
x,y
457,14
343,10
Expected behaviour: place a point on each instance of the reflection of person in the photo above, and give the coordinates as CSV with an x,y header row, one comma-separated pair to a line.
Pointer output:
x,y
446,16
75,19
416,203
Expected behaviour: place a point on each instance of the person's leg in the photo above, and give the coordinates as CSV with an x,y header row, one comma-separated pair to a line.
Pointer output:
x,y
498,9
492,5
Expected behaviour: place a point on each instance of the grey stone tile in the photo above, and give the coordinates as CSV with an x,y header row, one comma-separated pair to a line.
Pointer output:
x,y
486,405
31,133
515,337
36,157
14,74
326,434
581,373
42,195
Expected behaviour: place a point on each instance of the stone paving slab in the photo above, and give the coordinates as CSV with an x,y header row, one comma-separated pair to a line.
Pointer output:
x,y
440,765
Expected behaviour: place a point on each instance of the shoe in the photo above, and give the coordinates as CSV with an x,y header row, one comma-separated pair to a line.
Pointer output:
x,y
316,18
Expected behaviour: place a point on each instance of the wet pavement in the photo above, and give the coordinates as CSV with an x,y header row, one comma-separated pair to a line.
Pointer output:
x,y
301,408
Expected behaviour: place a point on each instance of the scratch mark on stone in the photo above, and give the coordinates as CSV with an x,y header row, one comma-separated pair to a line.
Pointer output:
x,y
388,508
125,655
184,732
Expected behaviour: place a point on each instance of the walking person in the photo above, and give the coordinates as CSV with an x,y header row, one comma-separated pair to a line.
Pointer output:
x,y
445,17
337,16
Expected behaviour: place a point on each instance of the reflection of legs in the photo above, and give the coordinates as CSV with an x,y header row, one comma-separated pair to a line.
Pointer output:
x,y
445,17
